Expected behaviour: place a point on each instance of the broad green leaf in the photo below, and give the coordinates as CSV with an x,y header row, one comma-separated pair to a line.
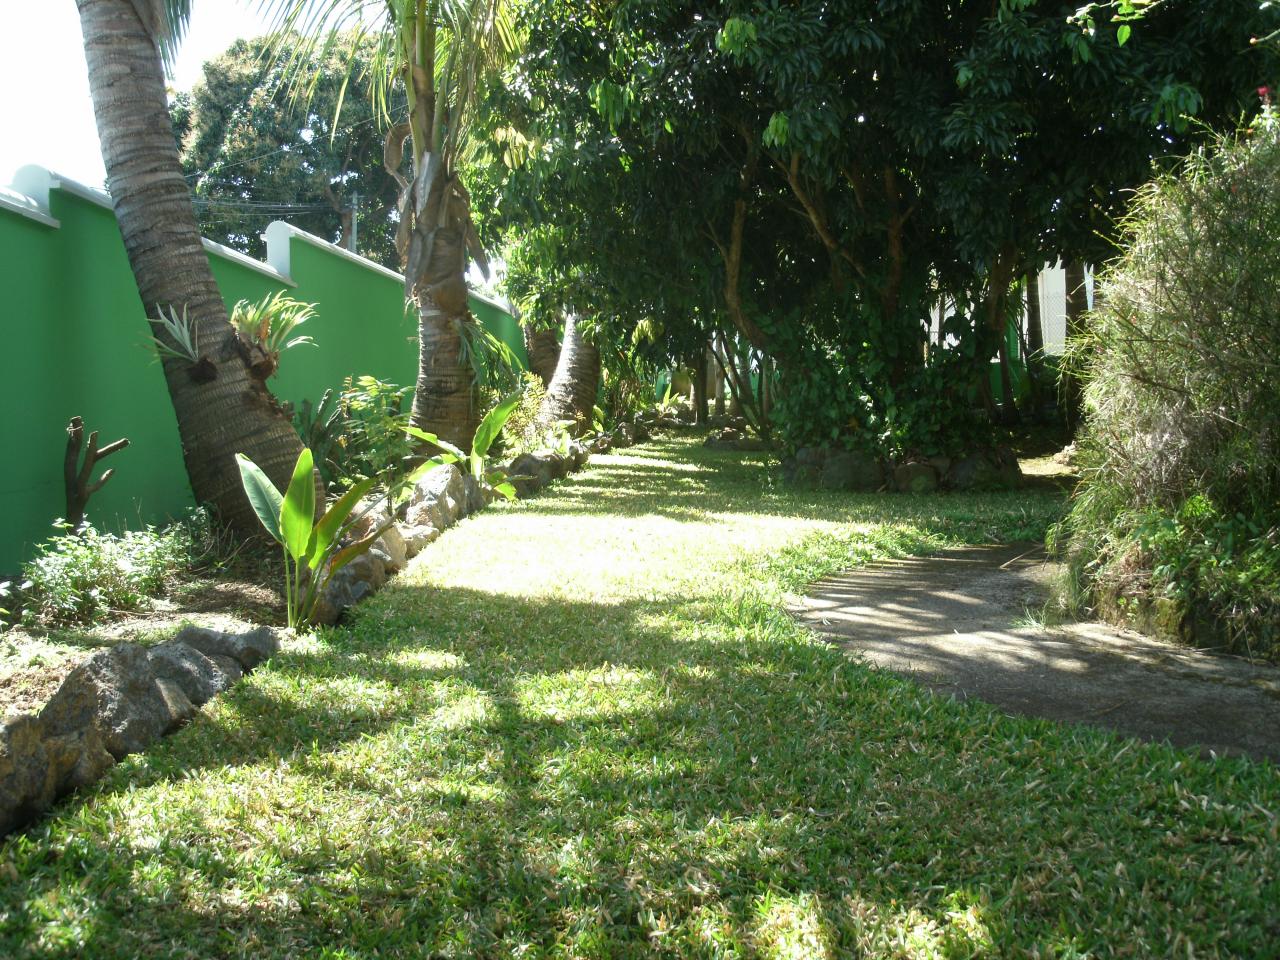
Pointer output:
x,y
298,512
326,531
506,489
349,553
422,469
492,424
263,495
442,444
1122,33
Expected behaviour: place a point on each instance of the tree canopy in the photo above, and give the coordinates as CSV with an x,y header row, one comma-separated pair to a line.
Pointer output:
x,y
819,177
254,153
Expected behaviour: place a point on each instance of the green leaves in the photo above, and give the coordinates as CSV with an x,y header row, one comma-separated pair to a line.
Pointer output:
x,y
263,495
775,134
299,507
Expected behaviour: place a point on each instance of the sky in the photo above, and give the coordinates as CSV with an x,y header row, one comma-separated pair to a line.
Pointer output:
x,y
46,116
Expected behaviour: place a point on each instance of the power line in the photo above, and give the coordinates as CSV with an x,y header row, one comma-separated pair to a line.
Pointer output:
x,y
218,166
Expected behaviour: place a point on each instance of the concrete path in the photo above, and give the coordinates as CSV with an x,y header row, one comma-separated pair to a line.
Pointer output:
x,y
958,623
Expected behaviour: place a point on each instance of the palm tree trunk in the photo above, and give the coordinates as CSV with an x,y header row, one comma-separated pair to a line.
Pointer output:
x,y
221,410
572,394
444,398
544,352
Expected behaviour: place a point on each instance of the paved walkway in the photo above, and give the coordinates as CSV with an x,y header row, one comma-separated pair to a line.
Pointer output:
x,y
958,622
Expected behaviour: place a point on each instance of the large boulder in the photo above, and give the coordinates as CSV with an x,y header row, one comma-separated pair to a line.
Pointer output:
x,y
362,577
915,476
852,470
200,676
115,691
995,469
246,649
37,768
437,498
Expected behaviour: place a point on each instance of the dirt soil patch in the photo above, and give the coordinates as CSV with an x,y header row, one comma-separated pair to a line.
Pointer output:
x,y
34,661
963,623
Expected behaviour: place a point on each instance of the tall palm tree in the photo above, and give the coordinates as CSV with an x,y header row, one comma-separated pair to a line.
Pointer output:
x,y
221,409
441,51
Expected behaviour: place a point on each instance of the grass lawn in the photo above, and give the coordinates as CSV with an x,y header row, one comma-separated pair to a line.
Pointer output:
x,y
582,727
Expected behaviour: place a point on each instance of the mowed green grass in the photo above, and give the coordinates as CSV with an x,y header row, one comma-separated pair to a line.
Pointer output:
x,y
583,726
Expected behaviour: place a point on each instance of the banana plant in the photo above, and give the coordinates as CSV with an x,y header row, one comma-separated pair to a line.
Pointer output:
x,y
486,435
313,549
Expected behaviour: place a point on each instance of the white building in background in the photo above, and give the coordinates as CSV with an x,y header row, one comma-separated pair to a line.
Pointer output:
x,y
1053,308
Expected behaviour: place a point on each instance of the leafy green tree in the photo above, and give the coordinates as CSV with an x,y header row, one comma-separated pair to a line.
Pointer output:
x,y
221,408
818,177
253,154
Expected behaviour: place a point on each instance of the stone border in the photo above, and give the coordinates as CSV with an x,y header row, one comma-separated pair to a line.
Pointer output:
x,y
117,702
439,500
121,700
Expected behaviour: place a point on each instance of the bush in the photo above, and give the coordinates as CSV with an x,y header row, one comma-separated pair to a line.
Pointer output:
x,y
77,578
1180,502
358,433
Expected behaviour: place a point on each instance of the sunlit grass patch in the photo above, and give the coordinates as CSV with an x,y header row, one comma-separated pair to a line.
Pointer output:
x,y
584,726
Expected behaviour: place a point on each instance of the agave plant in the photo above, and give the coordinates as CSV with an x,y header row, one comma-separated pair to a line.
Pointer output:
x,y
182,332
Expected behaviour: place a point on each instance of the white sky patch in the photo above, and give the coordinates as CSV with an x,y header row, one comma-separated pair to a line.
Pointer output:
x,y
45,112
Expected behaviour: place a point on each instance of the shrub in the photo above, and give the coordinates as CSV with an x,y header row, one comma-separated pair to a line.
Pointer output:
x,y
77,578
1181,499
358,433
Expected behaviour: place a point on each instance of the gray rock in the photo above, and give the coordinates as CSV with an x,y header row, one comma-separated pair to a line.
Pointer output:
x,y
362,577
534,470
578,455
474,496
811,456
852,470
601,444
115,692
199,676
641,433
36,768
986,470
391,544
417,538
915,476
367,516
246,649
556,465
437,498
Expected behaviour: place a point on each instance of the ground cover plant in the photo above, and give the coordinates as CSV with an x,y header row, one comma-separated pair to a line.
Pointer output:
x,y
584,726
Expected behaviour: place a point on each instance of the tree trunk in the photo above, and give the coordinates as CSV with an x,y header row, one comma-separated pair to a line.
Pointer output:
x,y
717,380
1035,325
1034,345
1077,306
572,393
544,352
444,397
221,410
698,369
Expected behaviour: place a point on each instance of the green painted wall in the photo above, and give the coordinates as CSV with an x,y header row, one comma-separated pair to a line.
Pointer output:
x,y
76,344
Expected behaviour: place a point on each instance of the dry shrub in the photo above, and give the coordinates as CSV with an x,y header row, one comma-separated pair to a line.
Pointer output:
x,y
1182,431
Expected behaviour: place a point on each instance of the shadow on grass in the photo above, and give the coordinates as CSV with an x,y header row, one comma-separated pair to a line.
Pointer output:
x,y
470,773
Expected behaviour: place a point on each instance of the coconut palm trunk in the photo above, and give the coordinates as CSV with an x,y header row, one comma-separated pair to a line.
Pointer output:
x,y
572,393
544,352
221,410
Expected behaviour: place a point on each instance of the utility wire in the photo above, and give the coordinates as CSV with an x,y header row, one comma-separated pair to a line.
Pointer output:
x,y
218,166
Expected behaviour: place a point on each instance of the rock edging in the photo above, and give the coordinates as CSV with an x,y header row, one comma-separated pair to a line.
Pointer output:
x,y
442,497
117,702
857,471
